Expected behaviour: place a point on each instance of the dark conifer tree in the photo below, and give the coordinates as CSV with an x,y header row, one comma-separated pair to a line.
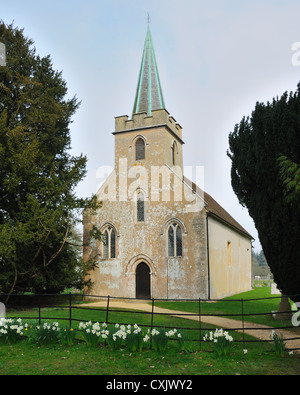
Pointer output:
x,y
256,144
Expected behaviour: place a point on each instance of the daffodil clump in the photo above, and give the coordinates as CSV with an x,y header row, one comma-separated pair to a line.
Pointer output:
x,y
160,338
92,333
67,336
12,330
278,343
130,336
50,333
46,333
221,339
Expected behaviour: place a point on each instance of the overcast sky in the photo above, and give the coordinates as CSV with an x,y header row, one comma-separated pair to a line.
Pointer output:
x,y
216,59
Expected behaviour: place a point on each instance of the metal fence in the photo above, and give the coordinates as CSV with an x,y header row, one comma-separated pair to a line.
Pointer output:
x,y
72,304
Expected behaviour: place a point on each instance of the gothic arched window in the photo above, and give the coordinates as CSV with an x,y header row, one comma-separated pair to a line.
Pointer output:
x,y
109,243
140,149
140,207
174,240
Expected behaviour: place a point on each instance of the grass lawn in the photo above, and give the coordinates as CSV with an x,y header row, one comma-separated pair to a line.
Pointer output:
x,y
259,310
78,359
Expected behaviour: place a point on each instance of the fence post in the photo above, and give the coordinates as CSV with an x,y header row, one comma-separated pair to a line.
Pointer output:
x,y
107,310
106,317
200,327
40,318
70,309
243,323
152,316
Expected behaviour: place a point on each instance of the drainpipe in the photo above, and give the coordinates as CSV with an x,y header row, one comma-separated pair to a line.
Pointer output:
x,y
167,278
208,266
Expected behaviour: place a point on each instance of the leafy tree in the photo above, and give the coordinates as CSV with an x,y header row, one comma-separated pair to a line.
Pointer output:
x,y
260,258
290,174
38,206
272,131
259,263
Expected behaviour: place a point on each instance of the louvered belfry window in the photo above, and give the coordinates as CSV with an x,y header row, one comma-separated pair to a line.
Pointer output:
x,y
140,149
174,240
140,207
174,154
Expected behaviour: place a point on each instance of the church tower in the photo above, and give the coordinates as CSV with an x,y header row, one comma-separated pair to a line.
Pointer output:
x,y
156,223
153,136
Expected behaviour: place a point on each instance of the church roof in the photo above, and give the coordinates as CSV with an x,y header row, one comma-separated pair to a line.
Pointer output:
x,y
149,95
216,210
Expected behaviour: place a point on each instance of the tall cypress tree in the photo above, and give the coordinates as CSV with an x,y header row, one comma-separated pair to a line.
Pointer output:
x,y
256,144
37,173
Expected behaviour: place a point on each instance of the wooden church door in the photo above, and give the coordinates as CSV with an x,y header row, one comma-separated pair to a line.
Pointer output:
x,y
143,281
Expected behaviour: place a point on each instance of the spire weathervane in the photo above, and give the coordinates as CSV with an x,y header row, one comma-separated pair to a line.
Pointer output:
x,y
148,19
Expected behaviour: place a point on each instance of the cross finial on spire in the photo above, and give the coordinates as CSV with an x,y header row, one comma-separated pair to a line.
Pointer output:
x,y
148,19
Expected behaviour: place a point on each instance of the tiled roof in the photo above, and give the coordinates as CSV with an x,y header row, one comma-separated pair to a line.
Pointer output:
x,y
216,209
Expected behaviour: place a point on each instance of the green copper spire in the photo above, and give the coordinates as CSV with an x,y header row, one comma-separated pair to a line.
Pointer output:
x,y
149,94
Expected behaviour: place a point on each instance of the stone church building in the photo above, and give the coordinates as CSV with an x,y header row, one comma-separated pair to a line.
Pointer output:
x,y
163,236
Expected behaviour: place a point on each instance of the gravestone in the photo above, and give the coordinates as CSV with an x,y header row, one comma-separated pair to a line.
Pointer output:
x,y
2,310
274,289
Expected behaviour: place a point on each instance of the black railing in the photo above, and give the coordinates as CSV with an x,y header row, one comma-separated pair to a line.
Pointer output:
x,y
72,303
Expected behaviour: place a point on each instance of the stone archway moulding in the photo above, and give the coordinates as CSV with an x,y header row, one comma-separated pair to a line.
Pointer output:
x,y
169,222
106,225
136,260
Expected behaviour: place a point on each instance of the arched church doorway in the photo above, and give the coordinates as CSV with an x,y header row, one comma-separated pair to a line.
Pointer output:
x,y
143,281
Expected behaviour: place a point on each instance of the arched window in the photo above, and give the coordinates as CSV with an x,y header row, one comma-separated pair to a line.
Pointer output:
x,y
109,243
171,244
174,240
140,149
140,207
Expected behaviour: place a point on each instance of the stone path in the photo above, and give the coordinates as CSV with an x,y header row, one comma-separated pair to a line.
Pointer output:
x,y
259,331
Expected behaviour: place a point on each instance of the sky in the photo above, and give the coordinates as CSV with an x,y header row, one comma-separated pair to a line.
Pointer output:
x,y
216,59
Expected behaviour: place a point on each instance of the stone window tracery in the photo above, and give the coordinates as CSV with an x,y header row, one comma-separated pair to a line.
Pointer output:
x,y
174,240
109,243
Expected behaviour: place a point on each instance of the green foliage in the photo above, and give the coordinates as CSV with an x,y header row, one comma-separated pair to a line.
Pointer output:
x,y
160,338
290,174
67,336
44,334
278,344
38,206
256,143
259,265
